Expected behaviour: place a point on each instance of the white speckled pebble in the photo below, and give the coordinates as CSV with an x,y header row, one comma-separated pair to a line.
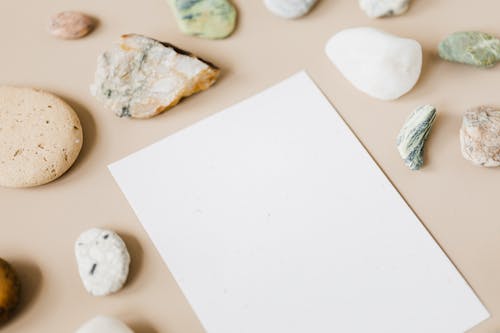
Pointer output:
x,y
384,8
103,261
290,9
102,324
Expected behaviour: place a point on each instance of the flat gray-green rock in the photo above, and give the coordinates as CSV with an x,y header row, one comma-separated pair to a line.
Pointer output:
x,y
411,138
472,48
384,8
289,9
480,136
213,19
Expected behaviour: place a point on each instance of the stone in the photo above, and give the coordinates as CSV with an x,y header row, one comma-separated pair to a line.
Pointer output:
x,y
480,136
212,19
10,288
289,9
103,324
384,8
40,134
103,261
379,64
411,138
472,48
141,77
71,25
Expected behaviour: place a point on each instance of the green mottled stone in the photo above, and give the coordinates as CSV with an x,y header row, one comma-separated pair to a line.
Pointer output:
x,y
411,138
213,19
472,48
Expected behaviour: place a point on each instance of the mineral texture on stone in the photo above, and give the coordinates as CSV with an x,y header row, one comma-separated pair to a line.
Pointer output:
x,y
384,8
103,261
480,136
411,138
471,48
141,77
213,19
379,64
103,324
289,9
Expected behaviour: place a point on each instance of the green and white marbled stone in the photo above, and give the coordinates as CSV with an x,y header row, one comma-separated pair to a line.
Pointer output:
x,y
411,138
472,48
212,19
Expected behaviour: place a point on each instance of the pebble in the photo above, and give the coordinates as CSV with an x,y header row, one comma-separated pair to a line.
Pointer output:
x,y
411,138
289,9
480,136
472,48
103,261
212,19
10,288
103,324
71,25
41,137
384,8
381,65
141,77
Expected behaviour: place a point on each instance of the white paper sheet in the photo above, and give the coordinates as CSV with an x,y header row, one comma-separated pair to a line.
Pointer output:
x,y
273,218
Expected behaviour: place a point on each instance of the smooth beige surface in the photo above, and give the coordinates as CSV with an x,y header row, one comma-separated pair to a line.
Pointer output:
x,y
456,201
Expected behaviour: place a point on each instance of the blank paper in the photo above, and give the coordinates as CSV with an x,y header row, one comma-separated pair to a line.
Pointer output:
x,y
273,218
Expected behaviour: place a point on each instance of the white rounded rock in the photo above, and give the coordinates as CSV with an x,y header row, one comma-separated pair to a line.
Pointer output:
x,y
102,324
290,9
379,64
384,8
103,261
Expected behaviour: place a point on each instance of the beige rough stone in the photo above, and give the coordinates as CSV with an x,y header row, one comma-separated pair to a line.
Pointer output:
x,y
480,136
141,77
40,135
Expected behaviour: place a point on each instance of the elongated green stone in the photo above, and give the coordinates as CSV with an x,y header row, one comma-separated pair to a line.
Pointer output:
x,y
411,138
472,48
213,19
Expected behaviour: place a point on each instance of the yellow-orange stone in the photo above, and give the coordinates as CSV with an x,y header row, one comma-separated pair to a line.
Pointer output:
x,y
9,291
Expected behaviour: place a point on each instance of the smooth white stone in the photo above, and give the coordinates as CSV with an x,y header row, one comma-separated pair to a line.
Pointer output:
x,y
102,324
383,8
381,65
290,9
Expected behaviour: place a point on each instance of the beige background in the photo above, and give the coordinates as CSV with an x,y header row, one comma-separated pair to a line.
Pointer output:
x,y
455,200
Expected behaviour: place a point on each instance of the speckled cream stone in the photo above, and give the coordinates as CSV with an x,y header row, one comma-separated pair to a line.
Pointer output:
x,y
103,324
289,9
103,261
9,291
71,25
40,137
480,136
142,77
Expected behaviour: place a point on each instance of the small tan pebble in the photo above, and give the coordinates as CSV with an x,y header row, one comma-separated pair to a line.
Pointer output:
x,y
10,288
71,25
40,135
